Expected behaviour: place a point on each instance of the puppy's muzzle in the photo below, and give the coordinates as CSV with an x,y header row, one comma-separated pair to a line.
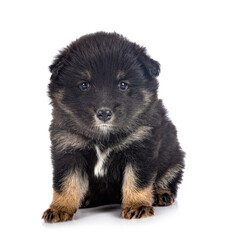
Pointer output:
x,y
104,114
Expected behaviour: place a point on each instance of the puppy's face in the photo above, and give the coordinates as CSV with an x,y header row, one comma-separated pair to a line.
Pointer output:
x,y
103,83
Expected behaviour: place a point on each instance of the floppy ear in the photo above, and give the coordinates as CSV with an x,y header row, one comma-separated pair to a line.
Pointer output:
x,y
58,63
151,67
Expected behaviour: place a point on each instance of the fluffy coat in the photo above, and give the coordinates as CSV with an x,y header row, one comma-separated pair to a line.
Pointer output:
x,y
112,141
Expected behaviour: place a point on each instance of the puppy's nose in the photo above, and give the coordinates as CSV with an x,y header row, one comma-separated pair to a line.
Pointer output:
x,y
104,114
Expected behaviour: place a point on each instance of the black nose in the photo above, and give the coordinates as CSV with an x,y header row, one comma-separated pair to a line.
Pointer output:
x,y
104,114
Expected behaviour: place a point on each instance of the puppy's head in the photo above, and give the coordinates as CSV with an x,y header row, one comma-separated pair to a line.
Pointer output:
x,y
103,83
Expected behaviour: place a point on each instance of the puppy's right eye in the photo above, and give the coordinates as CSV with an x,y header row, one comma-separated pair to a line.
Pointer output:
x,y
123,86
84,86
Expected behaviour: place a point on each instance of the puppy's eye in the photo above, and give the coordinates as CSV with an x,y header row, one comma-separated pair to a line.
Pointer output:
x,y
123,86
84,86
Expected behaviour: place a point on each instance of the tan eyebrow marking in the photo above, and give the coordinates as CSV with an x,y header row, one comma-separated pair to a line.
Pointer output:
x,y
86,74
120,74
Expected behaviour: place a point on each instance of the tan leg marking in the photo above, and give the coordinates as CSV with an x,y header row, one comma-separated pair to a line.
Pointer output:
x,y
66,202
136,203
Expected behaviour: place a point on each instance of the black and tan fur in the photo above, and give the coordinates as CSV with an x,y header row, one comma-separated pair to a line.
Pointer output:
x,y
112,141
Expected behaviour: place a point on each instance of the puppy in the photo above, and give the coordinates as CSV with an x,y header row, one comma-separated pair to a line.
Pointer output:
x,y
112,141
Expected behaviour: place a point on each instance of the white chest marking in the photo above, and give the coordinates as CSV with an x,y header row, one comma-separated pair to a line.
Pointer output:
x,y
99,170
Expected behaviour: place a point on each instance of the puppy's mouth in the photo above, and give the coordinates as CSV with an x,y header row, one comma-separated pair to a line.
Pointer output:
x,y
104,127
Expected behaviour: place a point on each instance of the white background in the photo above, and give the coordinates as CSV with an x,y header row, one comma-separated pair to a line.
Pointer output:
x,y
188,38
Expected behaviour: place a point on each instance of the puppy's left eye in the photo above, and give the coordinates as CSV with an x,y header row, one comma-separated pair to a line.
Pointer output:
x,y
123,86
84,86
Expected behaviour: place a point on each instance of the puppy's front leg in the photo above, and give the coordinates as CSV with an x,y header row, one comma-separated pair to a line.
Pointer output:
x,y
67,200
137,202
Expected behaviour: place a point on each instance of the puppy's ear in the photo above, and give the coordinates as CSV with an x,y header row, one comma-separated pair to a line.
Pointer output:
x,y
151,67
58,63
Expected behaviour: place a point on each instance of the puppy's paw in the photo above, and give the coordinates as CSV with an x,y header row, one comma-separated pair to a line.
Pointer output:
x,y
137,212
53,215
163,197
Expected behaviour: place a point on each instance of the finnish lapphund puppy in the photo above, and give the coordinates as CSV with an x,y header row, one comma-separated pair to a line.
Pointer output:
x,y
112,141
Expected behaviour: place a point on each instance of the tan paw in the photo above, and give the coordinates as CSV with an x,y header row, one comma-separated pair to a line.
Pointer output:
x,y
54,215
137,212
163,197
